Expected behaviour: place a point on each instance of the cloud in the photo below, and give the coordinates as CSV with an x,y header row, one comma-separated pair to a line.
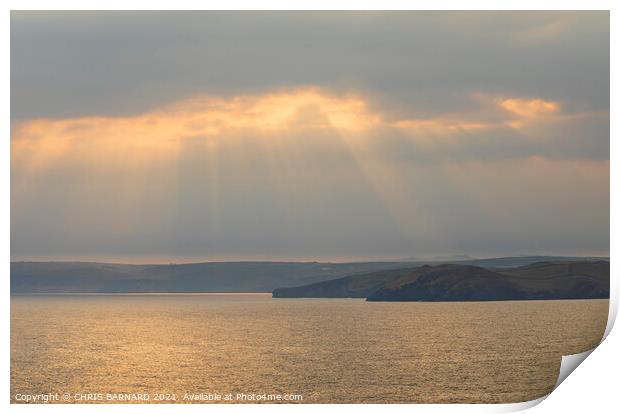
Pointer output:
x,y
279,173
493,128
212,116
530,107
290,134
70,64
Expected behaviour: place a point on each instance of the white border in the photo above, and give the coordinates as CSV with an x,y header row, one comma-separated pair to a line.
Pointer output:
x,y
592,389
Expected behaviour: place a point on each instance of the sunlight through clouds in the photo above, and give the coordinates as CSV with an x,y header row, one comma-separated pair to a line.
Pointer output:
x,y
212,119
302,155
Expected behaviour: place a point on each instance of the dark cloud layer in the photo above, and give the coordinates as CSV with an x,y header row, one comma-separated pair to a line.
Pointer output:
x,y
83,63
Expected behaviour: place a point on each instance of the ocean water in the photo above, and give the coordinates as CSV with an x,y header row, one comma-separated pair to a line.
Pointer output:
x,y
252,348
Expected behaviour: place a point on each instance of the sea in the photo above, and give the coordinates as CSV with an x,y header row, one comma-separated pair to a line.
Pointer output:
x,y
251,348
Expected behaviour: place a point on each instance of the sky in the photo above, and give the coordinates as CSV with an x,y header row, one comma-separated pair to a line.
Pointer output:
x,y
187,136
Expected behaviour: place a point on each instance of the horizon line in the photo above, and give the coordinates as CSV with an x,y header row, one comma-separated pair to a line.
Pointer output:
x,y
456,258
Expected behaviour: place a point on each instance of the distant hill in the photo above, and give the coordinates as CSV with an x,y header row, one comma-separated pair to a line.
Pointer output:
x,y
447,258
87,277
494,262
572,280
450,282
581,280
356,286
462,282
